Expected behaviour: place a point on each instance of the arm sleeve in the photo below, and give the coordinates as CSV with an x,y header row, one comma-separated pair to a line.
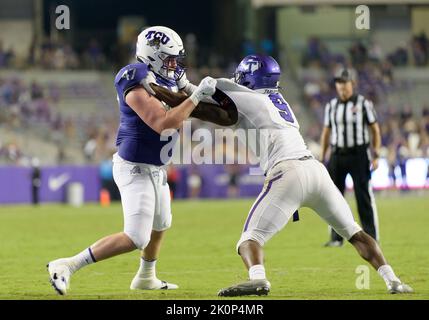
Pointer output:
x,y
327,119
370,114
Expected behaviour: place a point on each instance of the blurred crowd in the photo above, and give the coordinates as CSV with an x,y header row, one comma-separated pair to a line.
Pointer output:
x,y
61,55
6,56
405,131
404,135
34,106
57,55
415,52
21,105
31,108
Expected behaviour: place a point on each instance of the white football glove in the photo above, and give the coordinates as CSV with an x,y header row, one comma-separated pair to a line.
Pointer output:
x,y
150,78
206,88
184,85
182,82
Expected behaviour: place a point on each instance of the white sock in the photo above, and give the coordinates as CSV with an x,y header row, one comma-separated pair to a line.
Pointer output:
x,y
147,269
81,259
386,272
257,272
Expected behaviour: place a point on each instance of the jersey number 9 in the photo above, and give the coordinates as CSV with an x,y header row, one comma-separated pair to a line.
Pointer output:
x,y
282,106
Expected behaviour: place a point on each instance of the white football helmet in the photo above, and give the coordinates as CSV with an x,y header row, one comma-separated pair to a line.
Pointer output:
x,y
156,46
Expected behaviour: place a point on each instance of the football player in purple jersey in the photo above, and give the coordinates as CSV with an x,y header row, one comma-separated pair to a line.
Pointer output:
x,y
138,164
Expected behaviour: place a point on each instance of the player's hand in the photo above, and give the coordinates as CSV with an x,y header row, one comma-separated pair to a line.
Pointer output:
x,y
150,78
374,164
182,82
323,159
206,88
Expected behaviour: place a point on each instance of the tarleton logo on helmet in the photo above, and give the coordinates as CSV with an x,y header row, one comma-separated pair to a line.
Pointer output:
x,y
253,65
155,38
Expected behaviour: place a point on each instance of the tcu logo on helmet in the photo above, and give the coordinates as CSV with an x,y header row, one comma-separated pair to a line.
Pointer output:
x,y
252,65
156,37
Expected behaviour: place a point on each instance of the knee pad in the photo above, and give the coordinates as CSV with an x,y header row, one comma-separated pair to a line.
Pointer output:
x,y
140,240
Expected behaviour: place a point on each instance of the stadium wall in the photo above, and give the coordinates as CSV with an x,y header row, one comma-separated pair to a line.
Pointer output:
x,y
16,183
16,187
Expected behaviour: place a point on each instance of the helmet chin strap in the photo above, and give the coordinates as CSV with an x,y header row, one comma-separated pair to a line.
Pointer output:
x,y
160,72
170,74
166,73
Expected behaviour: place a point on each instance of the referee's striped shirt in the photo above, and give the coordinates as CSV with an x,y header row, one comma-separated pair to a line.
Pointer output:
x,y
349,121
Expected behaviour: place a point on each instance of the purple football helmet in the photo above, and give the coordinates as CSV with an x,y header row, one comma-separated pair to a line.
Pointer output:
x,y
258,72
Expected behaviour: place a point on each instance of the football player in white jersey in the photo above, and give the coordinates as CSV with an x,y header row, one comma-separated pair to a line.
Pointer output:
x,y
294,178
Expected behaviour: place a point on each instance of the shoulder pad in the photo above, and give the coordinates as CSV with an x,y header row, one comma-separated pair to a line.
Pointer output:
x,y
130,76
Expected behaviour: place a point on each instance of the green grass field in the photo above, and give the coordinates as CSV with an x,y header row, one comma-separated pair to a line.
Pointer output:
x,y
199,252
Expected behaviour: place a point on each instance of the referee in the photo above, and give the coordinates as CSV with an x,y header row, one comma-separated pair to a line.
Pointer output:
x,y
347,120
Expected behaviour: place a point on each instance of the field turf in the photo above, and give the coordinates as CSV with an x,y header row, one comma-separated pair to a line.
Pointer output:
x,y
199,252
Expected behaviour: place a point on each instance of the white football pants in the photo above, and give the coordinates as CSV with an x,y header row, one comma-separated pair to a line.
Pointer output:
x,y
290,185
145,197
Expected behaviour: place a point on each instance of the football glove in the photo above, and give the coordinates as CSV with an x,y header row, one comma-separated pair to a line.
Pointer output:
x,y
206,88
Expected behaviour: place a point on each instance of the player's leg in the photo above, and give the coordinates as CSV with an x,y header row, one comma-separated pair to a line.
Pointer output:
x,y
337,170
138,207
370,250
151,252
333,208
146,278
60,270
252,254
279,199
111,246
365,200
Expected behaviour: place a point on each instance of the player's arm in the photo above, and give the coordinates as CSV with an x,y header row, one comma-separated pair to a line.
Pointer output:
x,y
152,112
224,115
215,114
326,132
172,99
376,143
324,142
371,119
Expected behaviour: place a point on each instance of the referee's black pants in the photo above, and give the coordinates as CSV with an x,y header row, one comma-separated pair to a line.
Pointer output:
x,y
356,162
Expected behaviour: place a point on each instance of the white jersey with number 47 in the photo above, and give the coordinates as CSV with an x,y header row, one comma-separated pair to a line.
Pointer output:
x,y
272,128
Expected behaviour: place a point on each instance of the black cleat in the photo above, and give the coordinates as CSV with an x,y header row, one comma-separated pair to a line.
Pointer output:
x,y
248,288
